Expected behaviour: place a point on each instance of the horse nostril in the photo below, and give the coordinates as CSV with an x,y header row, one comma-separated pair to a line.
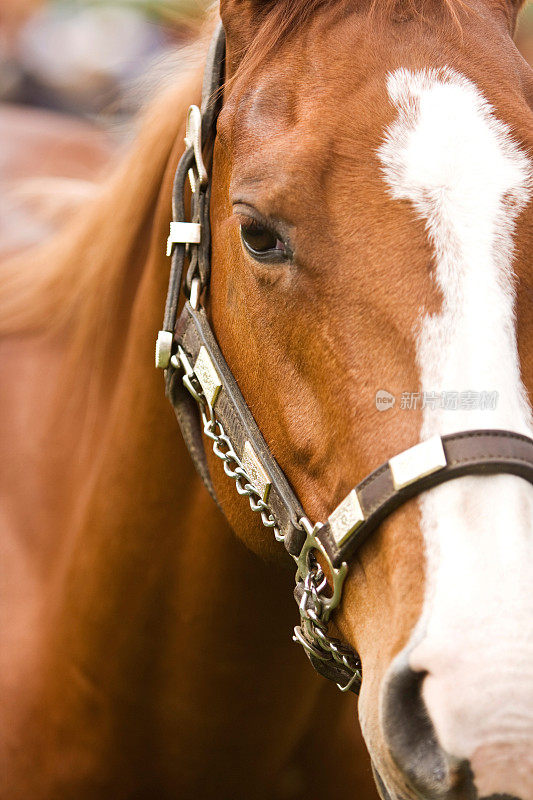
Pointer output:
x,y
411,738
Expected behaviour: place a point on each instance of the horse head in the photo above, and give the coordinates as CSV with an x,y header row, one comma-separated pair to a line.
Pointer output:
x,y
372,232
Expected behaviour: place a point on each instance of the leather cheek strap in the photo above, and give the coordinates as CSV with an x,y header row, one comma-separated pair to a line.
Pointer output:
x,y
482,452
194,335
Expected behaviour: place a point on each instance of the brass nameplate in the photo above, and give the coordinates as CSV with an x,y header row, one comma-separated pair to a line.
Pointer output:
x,y
417,462
206,373
255,471
346,518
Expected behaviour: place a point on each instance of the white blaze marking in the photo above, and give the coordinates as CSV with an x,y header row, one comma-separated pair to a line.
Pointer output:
x,y
468,180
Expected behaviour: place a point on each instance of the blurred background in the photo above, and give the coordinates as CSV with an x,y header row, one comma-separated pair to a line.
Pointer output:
x,y
83,56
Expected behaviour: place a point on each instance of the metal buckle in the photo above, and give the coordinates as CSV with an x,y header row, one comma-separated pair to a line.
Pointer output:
x,y
181,360
338,574
163,349
193,138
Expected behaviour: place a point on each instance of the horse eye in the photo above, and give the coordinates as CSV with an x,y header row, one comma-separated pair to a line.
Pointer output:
x,y
262,243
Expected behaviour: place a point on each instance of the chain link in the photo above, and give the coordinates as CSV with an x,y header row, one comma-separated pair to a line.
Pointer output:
x,y
312,631
233,467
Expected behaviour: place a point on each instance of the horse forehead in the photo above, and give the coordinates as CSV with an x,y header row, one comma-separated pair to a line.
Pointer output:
x,y
295,141
276,123
268,106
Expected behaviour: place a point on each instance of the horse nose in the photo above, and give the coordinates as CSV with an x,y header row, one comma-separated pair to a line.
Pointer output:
x,y
412,742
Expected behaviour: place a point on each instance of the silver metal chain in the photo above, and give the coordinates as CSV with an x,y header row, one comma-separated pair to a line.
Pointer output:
x,y
233,468
315,608
224,450
312,632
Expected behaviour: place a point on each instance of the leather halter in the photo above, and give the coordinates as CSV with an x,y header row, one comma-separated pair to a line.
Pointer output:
x,y
205,396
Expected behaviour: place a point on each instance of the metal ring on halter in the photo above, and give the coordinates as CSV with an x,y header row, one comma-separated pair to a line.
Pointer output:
x,y
338,574
193,138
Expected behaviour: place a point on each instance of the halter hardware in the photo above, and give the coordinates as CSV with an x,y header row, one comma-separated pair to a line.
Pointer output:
x,y
209,405
193,139
183,233
419,461
337,574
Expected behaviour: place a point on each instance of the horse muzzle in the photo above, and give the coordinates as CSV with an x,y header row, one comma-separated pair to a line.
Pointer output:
x,y
500,767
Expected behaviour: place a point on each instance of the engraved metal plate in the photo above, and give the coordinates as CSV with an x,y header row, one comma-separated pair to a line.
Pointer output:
x,y
208,376
346,518
255,471
417,462
163,349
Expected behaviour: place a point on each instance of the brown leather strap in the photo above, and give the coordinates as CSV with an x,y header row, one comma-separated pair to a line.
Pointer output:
x,y
201,257
482,452
186,412
184,406
193,332
211,104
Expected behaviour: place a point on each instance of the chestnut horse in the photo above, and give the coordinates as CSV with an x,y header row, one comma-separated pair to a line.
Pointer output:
x,y
372,229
